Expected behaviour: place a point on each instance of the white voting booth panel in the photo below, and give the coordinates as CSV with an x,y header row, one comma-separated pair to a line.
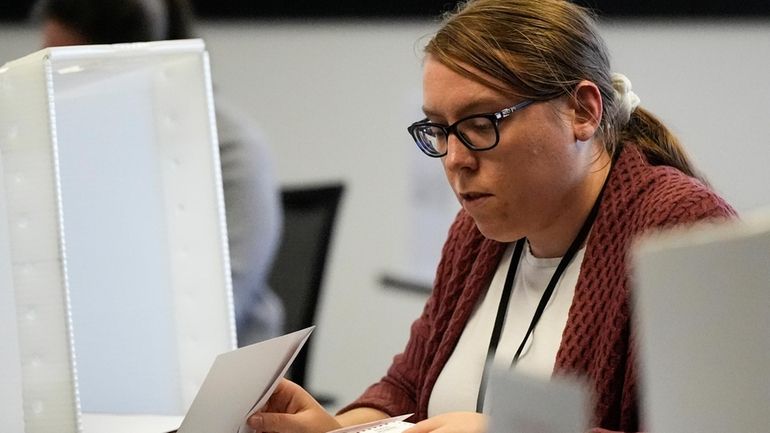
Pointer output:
x,y
115,279
703,306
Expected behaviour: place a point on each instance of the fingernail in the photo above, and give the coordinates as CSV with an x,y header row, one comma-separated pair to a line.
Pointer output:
x,y
255,422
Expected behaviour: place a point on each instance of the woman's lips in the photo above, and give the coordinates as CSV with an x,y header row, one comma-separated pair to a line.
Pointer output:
x,y
473,199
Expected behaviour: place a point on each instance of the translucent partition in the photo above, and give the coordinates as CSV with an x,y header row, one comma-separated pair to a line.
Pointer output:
x,y
113,211
11,411
703,309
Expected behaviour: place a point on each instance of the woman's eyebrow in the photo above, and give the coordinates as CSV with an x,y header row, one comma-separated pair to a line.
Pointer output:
x,y
427,111
475,107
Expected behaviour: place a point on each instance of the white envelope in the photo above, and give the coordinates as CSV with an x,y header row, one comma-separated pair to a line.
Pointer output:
x,y
240,382
394,424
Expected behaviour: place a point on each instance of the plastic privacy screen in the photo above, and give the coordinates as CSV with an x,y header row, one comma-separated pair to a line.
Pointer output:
x,y
116,247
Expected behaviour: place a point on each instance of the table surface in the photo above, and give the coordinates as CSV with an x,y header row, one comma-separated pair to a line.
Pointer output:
x,y
99,423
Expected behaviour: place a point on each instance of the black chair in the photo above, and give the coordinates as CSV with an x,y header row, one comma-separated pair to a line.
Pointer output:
x,y
298,268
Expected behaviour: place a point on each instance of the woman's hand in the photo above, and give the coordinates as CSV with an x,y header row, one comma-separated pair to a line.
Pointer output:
x,y
452,422
601,430
291,409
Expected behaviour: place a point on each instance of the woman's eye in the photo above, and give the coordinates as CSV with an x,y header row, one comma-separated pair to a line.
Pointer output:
x,y
479,124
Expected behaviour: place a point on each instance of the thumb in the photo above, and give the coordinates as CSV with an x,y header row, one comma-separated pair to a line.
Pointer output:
x,y
274,422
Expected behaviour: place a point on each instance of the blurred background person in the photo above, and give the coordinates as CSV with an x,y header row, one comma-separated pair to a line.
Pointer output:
x,y
254,217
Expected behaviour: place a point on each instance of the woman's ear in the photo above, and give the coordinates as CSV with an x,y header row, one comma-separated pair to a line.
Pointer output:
x,y
586,102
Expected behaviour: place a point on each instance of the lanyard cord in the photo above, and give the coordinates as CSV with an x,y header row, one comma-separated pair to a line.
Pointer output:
x,y
502,308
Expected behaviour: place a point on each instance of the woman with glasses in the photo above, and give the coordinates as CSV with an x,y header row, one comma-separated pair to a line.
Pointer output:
x,y
558,169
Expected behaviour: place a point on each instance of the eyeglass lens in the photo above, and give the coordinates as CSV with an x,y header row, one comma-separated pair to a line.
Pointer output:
x,y
475,132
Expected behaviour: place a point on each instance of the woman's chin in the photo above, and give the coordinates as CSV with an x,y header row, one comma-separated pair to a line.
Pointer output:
x,y
496,232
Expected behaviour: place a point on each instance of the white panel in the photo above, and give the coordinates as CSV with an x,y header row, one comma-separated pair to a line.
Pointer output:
x,y
116,238
115,202
11,411
37,273
703,301
143,219
190,171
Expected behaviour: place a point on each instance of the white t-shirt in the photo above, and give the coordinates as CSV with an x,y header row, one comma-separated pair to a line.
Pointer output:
x,y
457,386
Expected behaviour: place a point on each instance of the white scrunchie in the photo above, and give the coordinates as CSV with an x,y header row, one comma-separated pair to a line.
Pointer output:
x,y
627,99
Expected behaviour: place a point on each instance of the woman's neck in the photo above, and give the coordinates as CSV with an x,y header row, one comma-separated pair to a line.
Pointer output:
x,y
555,239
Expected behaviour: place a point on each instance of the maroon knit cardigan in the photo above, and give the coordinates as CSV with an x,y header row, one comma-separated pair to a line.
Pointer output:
x,y
598,340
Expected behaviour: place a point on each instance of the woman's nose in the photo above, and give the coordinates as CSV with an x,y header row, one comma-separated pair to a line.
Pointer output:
x,y
458,155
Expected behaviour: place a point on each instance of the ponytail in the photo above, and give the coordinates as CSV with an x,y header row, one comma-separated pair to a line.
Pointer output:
x,y
656,142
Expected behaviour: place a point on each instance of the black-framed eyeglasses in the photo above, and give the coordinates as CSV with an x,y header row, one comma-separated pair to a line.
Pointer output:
x,y
476,132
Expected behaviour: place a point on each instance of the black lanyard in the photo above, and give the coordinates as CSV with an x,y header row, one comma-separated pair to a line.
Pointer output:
x,y
502,309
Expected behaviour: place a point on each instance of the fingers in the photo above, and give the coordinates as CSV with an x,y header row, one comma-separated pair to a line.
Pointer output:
x,y
291,409
457,422
289,397
281,398
424,426
306,422
274,422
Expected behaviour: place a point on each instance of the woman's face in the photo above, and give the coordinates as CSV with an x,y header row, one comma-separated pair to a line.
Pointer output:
x,y
534,176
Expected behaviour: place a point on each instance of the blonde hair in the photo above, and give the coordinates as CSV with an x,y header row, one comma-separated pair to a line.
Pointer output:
x,y
541,49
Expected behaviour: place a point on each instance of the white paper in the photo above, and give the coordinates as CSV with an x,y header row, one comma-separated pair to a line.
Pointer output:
x,y
240,382
395,424
517,403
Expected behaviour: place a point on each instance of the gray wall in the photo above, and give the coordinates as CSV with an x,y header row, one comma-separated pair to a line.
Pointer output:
x,y
334,101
